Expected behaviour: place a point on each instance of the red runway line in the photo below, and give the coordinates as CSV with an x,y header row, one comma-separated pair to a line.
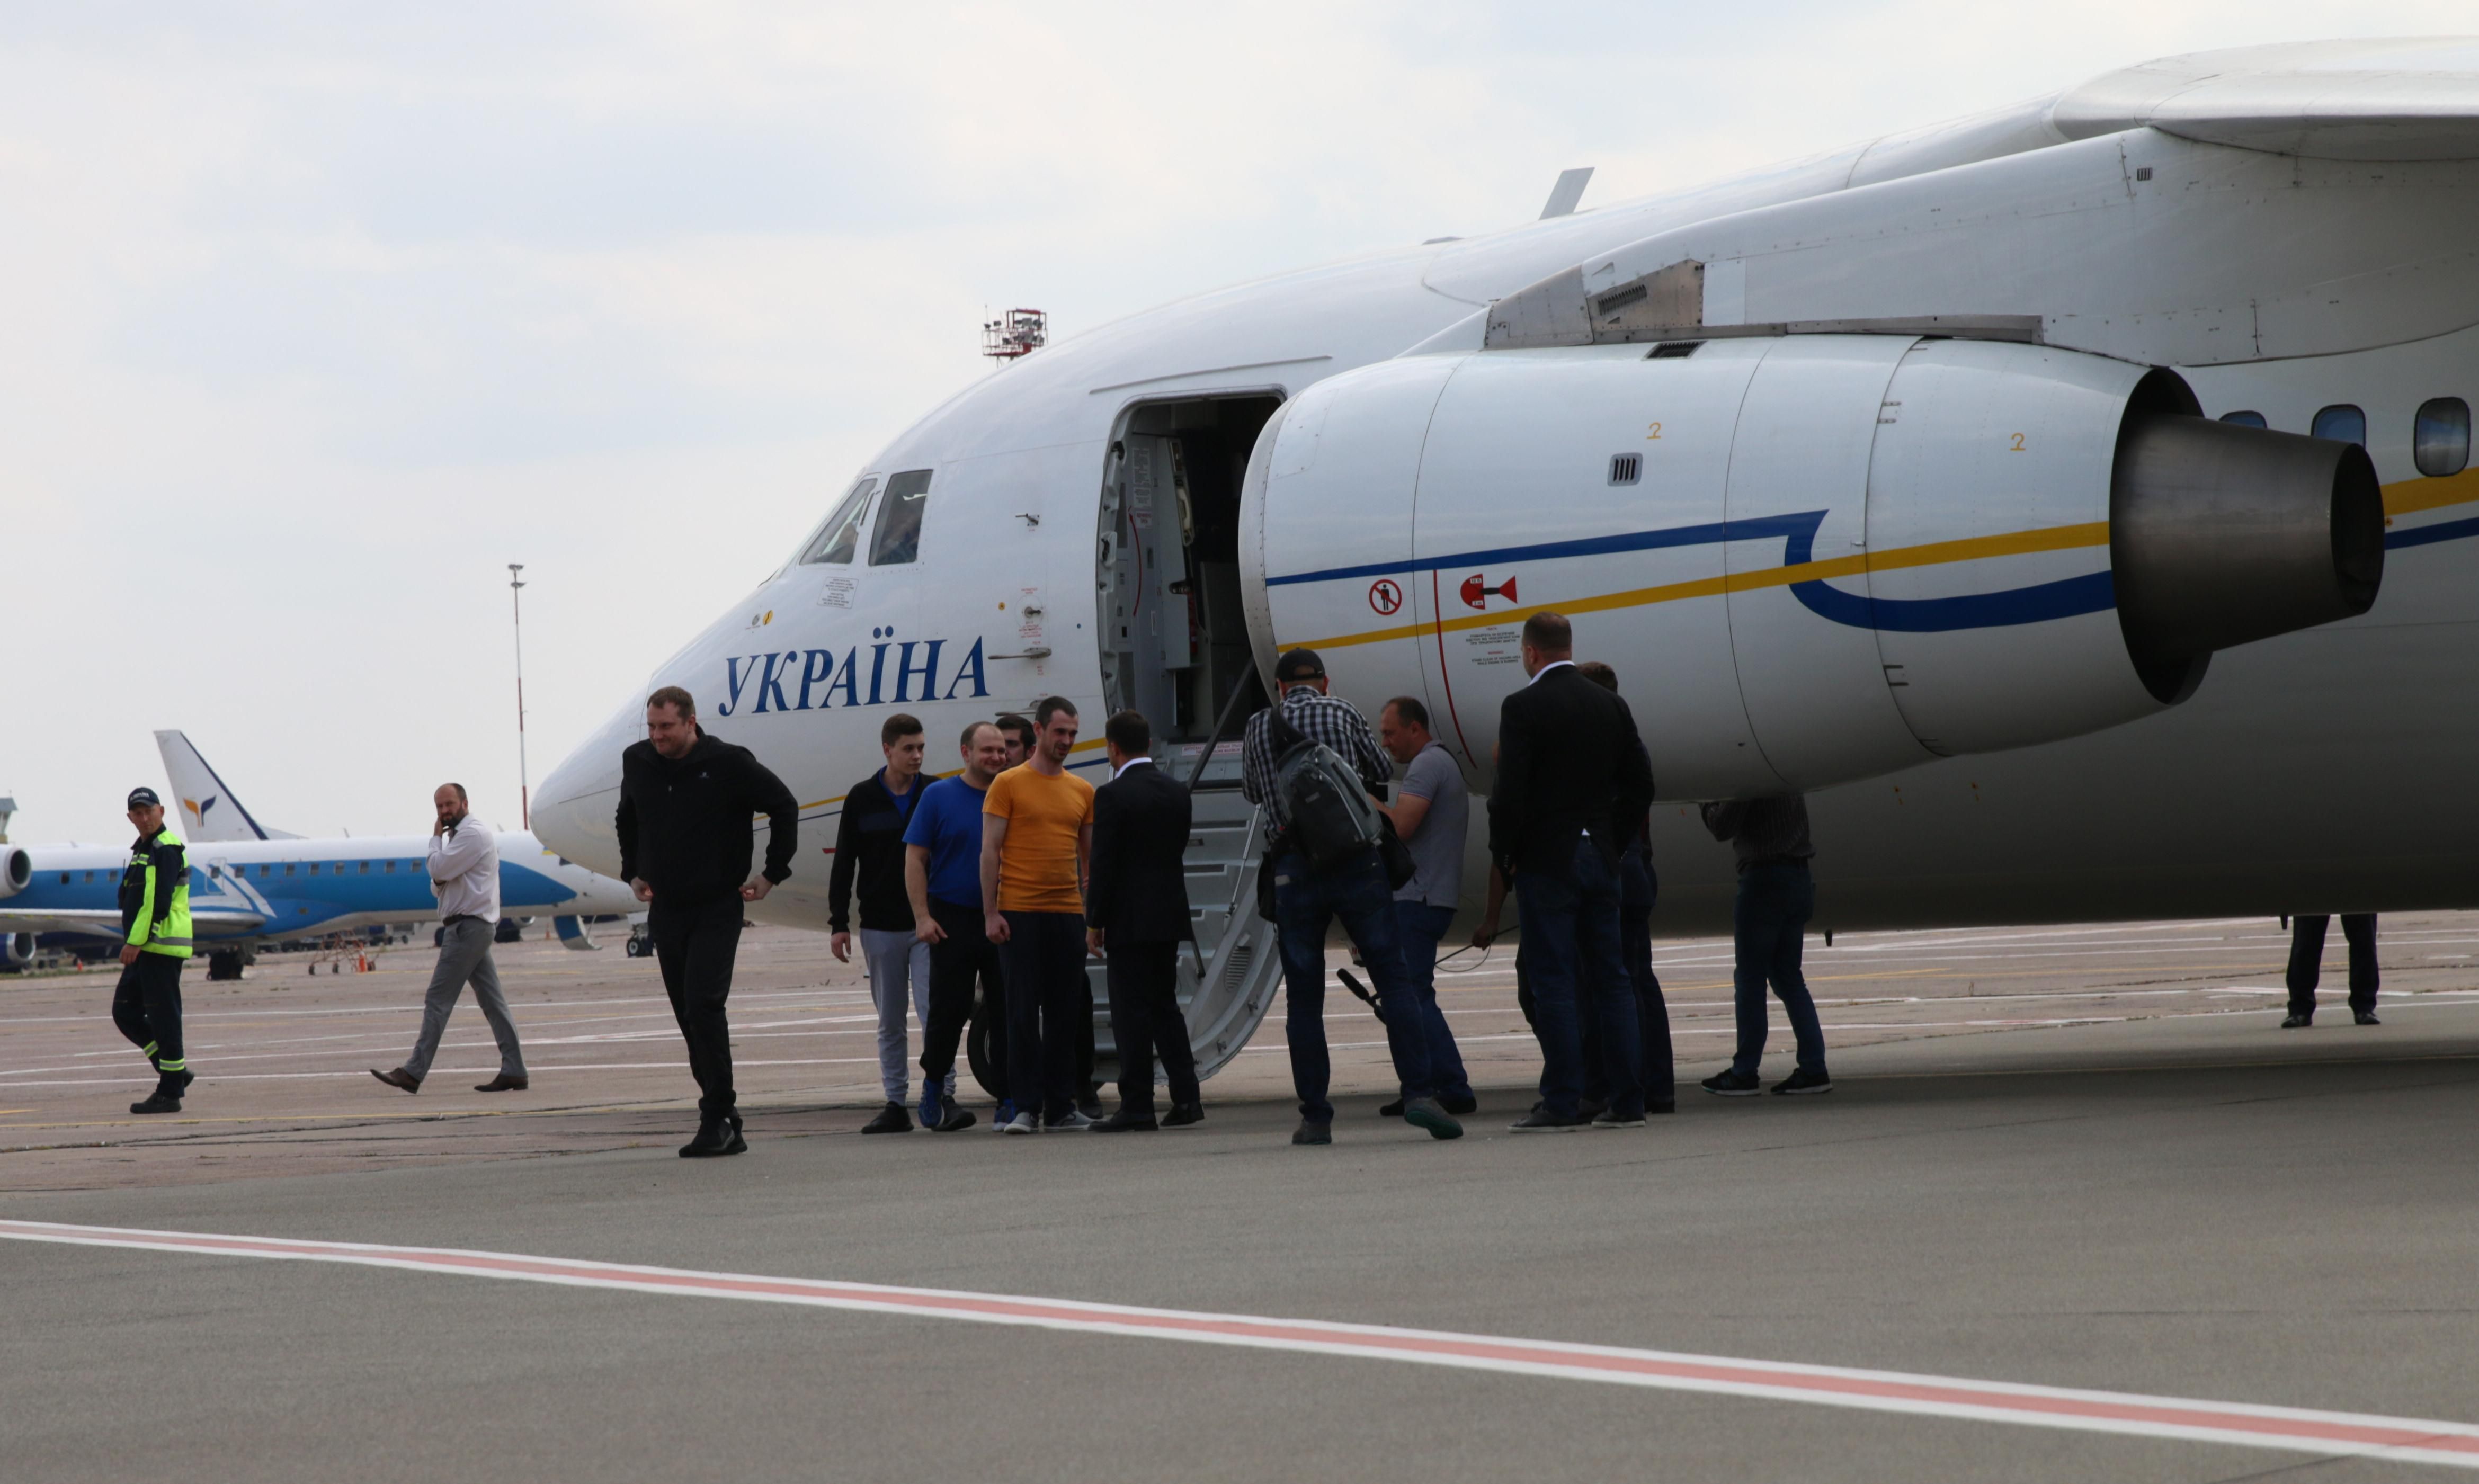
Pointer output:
x,y
2405,1440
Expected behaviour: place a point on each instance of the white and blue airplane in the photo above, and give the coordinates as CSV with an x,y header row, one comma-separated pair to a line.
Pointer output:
x,y
1929,477
250,884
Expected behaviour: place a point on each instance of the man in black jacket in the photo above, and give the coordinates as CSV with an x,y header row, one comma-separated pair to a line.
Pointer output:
x,y
869,845
685,842
1135,915
1573,783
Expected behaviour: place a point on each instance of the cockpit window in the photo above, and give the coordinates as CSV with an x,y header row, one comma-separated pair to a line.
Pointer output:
x,y
2440,438
898,538
841,537
2343,423
2244,418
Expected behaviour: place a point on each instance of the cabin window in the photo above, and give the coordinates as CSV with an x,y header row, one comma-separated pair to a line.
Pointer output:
x,y
64,877
266,871
90,876
365,868
841,537
313,868
288,868
391,867
2245,419
898,538
2440,437
2343,423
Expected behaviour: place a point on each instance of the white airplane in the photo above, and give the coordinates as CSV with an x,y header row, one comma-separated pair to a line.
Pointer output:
x,y
2074,499
252,884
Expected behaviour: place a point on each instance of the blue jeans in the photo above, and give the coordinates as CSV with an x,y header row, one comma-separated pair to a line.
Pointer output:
x,y
1417,928
1571,941
1775,900
1304,903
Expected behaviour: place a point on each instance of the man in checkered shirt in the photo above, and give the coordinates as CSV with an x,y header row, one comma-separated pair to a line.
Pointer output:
x,y
1355,891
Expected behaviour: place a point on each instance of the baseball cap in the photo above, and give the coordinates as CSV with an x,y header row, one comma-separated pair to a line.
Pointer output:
x,y
141,796
1300,664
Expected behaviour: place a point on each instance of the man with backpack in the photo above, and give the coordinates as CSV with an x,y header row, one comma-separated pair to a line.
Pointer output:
x,y
1313,765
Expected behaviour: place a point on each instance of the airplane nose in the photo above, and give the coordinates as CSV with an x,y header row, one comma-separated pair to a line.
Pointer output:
x,y
573,812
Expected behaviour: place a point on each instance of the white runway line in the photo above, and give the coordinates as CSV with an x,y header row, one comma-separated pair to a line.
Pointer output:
x,y
2337,1434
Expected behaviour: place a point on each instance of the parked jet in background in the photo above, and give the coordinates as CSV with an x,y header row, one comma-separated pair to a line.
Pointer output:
x,y
252,884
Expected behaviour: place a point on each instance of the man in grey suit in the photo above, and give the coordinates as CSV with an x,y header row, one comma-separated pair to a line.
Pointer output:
x,y
465,873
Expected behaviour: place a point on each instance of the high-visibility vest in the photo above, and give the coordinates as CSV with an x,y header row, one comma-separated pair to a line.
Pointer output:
x,y
162,925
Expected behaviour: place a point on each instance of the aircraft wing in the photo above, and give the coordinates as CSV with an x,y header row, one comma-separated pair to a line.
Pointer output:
x,y
2402,99
105,922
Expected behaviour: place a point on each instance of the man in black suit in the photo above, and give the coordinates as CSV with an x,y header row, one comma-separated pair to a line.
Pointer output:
x,y
1135,915
1573,784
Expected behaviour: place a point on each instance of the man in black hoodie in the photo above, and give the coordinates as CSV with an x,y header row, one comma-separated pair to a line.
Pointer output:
x,y
686,800
869,848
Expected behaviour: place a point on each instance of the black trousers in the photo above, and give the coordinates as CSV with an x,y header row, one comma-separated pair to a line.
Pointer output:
x,y
146,1008
1639,888
1145,1018
696,942
1047,993
963,959
2307,959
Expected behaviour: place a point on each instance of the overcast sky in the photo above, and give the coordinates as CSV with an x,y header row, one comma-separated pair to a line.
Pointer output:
x,y
313,316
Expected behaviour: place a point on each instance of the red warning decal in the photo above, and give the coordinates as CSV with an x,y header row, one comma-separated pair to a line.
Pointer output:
x,y
1385,595
1478,592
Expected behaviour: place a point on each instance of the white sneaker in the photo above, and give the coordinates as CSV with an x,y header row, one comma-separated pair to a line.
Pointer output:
x,y
1021,1123
1071,1119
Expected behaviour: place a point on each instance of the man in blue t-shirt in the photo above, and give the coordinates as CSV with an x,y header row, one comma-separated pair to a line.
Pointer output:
x,y
942,873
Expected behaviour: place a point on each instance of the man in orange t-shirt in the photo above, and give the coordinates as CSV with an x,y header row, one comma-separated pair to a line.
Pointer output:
x,y
1036,838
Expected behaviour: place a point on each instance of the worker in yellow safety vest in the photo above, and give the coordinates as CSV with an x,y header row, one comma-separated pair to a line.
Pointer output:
x,y
155,942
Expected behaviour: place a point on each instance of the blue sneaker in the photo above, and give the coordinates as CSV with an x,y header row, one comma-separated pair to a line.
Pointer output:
x,y
932,1114
1004,1115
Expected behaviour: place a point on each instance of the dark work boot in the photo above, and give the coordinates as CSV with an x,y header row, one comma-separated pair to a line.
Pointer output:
x,y
164,1099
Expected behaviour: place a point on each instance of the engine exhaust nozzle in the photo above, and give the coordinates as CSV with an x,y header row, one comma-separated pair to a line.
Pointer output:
x,y
2220,535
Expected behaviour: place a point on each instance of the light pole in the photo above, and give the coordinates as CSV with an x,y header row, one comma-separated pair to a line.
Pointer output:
x,y
516,608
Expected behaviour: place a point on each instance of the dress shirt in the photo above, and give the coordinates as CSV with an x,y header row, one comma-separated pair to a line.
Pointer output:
x,y
465,870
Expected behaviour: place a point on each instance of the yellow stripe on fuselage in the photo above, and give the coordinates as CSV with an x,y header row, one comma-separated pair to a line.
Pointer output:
x,y
2407,497
2056,538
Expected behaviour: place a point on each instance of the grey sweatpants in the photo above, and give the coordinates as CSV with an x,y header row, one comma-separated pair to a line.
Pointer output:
x,y
899,972
465,954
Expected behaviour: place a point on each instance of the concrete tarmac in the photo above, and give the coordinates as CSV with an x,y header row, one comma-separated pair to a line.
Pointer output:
x,y
2145,1187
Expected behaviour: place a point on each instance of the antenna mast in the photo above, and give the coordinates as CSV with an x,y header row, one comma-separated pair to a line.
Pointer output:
x,y
517,610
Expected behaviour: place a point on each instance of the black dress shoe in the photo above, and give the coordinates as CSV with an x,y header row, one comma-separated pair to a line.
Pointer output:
x,y
1313,1132
1542,1120
503,1083
160,1102
397,1076
1460,1106
2297,1022
1392,1110
1184,1115
1125,1122
891,1119
2366,1017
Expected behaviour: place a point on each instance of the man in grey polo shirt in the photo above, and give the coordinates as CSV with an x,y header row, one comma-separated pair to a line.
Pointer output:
x,y
464,868
1432,812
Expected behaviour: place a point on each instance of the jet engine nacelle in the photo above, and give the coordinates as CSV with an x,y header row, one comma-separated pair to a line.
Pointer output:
x,y
1811,559
16,950
16,869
